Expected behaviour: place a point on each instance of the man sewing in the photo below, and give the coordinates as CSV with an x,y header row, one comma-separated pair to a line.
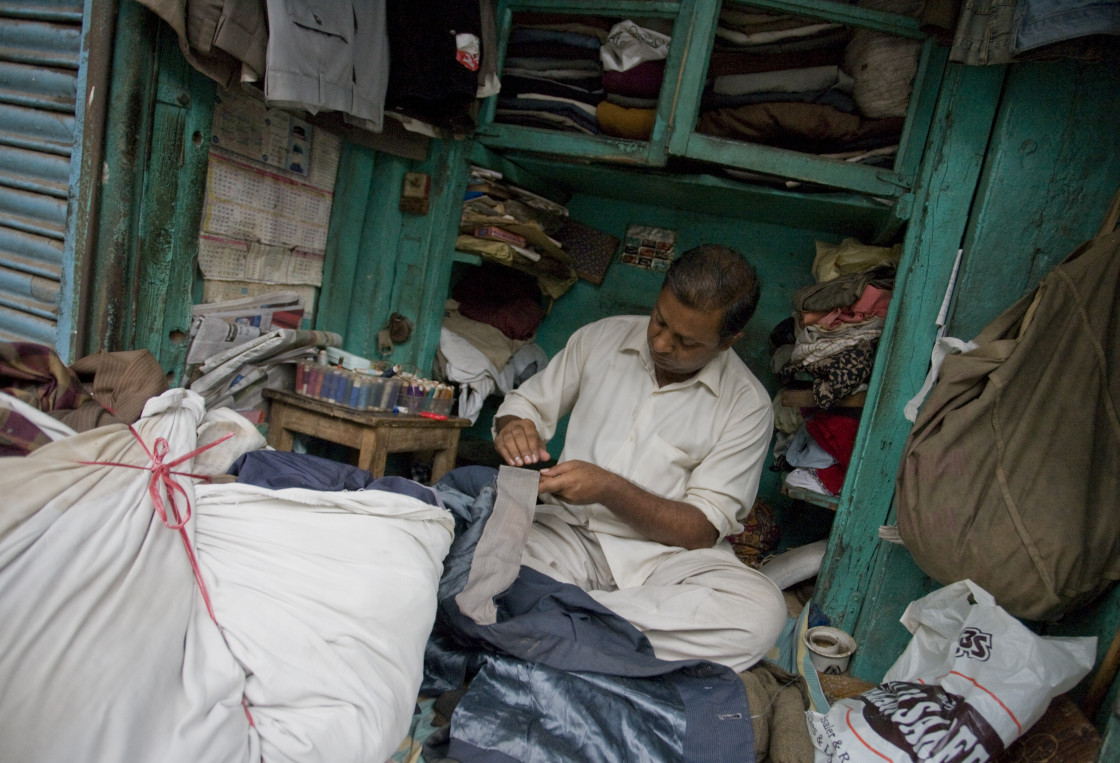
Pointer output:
x,y
666,439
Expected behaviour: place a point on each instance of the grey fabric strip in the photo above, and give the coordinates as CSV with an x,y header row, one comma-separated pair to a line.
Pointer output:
x,y
497,556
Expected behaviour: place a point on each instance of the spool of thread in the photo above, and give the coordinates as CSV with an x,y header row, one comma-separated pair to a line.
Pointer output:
x,y
364,385
315,380
301,377
355,390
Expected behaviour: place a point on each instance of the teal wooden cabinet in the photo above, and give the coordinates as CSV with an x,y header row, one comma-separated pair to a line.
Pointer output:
x,y
891,182
576,146
674,134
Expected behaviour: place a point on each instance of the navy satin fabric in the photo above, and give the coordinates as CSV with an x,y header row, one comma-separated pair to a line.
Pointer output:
x,y
560,677
277,469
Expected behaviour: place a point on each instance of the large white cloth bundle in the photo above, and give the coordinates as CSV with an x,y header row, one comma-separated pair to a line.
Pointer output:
x,y
327,599
107,652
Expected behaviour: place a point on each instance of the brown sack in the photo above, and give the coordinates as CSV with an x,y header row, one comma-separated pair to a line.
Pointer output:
x,y
1011,473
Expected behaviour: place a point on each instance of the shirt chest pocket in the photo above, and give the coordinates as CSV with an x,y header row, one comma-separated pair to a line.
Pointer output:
x,y
335,19
661,468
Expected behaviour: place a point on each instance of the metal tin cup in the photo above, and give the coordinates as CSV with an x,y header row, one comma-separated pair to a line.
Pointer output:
x,y
829,648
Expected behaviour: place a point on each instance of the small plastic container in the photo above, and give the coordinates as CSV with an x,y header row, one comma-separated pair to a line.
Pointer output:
x,y
829,649
382,393
440,406
360,389
411,399
343,385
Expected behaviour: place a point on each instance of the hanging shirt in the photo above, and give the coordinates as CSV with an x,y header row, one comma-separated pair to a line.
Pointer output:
x,y
328,57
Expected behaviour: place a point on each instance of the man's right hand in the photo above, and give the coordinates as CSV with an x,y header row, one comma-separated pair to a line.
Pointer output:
x,y
518,442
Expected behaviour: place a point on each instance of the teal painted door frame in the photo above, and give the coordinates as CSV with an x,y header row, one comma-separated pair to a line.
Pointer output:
x,y
153,187
865,583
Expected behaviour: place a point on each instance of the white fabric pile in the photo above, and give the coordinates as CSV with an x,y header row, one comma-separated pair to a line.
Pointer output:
x,y
108,653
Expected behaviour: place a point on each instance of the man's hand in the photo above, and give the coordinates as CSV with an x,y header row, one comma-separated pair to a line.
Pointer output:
x,y
518,442
577,482
674,523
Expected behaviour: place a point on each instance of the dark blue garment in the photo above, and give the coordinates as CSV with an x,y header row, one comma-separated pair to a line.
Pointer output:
x,y
277,469
560,108
560,677
521,35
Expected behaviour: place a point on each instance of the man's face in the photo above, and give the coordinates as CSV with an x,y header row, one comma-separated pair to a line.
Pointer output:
x,y
682,340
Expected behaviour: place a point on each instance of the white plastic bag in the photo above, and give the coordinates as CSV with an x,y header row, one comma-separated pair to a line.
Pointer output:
x,y
629,44
971,681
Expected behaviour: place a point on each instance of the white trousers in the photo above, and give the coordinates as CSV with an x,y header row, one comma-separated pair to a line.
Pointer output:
x,y
702,604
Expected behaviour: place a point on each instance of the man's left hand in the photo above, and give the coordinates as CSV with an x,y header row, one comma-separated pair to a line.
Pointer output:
x,y
576,482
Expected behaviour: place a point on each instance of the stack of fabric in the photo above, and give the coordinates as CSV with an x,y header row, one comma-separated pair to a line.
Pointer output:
x,y
829,345
807,85
634,66
552,76
586,75
512,226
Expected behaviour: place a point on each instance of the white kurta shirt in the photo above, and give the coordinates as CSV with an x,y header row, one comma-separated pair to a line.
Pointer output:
x,y
703,440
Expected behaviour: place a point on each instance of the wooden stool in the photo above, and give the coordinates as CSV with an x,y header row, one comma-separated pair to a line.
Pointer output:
x,y
373,434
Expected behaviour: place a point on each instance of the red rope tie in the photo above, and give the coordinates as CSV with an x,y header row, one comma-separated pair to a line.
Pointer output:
x,y
162,484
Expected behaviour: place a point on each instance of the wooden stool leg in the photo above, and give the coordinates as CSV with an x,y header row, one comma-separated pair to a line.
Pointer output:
x,y
443,460
279,437
372,453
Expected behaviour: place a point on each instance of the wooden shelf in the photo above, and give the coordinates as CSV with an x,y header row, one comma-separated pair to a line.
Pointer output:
x,y
466,257
830,502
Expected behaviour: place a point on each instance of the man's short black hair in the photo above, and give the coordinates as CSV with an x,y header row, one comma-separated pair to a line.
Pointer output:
x,y
716,277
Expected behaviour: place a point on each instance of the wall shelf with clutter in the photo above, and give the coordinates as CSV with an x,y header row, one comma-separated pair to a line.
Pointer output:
x,y
553,80
833,94
760,90
823,356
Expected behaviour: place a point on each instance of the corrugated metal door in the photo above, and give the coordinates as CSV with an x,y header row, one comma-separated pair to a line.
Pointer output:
x,y
41,66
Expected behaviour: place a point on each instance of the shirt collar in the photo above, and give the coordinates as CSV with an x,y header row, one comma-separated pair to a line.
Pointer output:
x,y
709,375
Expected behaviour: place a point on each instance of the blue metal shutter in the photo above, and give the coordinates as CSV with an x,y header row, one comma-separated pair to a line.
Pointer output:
x,y
40,141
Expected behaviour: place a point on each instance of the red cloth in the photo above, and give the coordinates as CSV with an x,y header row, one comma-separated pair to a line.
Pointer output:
x,y
836,434
502,297
517,319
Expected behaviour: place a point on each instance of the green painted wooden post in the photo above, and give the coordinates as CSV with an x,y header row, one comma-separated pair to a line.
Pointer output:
x,y
701,25
421,296
157,143
382,241
383,261
127,132
858,585
171,209
353,187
